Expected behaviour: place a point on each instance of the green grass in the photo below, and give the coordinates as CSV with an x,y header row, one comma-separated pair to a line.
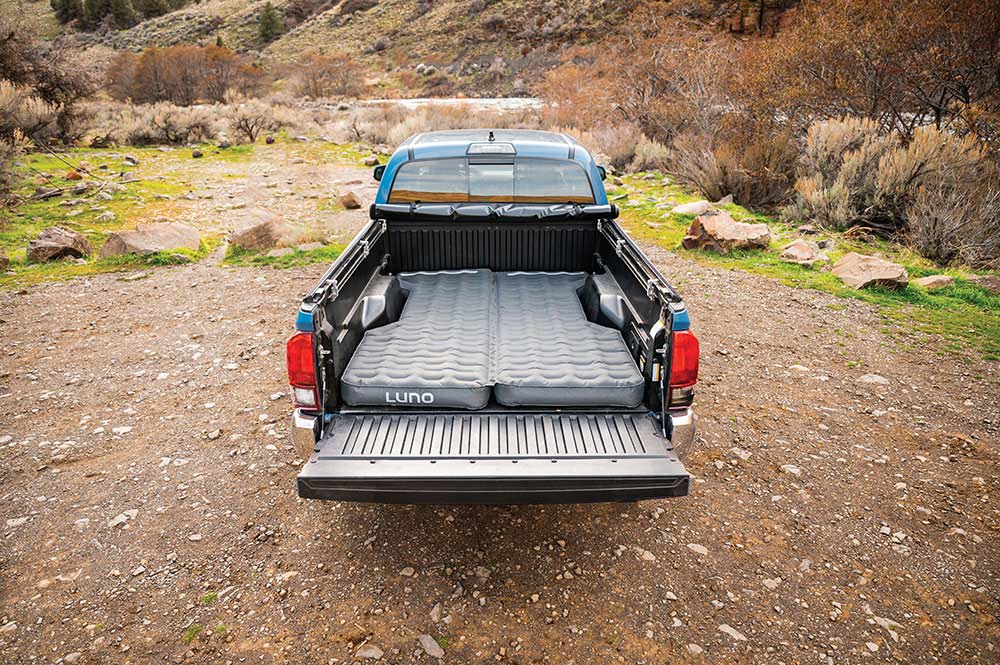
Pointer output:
x,y
129,202
240,257
192,633
209,598
443,642
965,315
26,274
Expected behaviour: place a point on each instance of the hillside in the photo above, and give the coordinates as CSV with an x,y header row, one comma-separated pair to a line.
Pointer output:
x,y
495,47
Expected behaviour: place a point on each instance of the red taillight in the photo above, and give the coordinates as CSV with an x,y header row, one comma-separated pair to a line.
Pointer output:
x,y
683,368
302,370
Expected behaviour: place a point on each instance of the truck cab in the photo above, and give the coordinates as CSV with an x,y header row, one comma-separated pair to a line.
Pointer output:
x,y
492,336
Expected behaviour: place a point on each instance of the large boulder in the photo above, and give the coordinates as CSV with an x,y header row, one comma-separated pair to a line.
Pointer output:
x,y
858,271
152,238
801,252
693,208
935,282
717,232
350,200
268,234
56,242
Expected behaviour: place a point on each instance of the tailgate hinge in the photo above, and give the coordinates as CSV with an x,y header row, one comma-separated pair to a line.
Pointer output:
x,y
332,288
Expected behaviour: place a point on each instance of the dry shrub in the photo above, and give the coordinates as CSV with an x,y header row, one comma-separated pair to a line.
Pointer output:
x,y
754,167
615,144
660,76
249,119
650,155
51,76
580,94
111,123
166,123
321,76
182,75
851,175
298,120
22,111
956,223
905,65
10,149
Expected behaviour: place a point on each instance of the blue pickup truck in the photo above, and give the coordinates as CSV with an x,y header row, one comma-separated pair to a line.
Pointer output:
x,y
492,336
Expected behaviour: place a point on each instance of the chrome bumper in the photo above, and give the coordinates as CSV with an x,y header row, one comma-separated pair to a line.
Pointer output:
x,y
683,431
305,433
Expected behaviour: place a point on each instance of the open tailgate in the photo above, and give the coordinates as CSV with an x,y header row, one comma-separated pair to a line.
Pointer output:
x,y
488,458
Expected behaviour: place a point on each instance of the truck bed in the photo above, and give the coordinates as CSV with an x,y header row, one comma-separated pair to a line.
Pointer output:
x,y
498,458
492,354
522,336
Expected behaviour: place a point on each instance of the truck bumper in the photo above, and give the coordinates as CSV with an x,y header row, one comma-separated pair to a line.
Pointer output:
x,y
305,433
491,458
683,431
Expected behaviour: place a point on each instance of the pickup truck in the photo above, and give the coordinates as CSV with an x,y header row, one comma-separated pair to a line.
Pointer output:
x,y
492,336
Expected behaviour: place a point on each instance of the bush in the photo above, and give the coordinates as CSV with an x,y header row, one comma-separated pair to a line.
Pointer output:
x,y
22,112
249,119
110,123
905,65
391,124
851,175
166,123
320,76
181,75
756,168
10,149
650,155
269,25
951,221
47,72
616,144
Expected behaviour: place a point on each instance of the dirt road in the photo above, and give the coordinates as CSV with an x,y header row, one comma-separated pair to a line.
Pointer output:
x,y
150,511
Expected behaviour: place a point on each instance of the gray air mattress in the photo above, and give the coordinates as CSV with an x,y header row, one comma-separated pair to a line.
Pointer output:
x,y
461,333
549,354
437,355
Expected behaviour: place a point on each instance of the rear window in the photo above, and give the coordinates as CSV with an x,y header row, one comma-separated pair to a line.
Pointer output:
x,y
522,180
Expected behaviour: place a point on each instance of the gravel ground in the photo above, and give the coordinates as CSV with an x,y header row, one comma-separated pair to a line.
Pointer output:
x,y
150,509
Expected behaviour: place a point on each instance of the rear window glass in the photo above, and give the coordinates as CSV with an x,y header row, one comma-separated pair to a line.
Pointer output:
x,y
525,180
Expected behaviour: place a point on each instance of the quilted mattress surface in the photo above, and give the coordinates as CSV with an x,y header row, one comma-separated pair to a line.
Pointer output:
x,y
462,334
437,354
549,354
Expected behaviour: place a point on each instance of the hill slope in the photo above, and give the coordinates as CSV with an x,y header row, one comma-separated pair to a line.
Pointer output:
x,y
496,47
488,44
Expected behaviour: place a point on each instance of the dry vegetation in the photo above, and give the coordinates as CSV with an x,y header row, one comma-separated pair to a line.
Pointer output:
x,y
830,122
881,115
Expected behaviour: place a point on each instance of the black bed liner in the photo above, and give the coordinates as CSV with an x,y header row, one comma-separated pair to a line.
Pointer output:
x,y
493,458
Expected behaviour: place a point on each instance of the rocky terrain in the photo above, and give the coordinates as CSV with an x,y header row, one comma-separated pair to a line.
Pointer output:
x,y
484,47
842,510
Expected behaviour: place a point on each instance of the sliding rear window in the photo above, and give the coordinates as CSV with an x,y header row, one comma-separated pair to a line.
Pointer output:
x,y
520,180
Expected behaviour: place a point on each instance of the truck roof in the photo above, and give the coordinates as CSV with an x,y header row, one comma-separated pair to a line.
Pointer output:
x,y
456,143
